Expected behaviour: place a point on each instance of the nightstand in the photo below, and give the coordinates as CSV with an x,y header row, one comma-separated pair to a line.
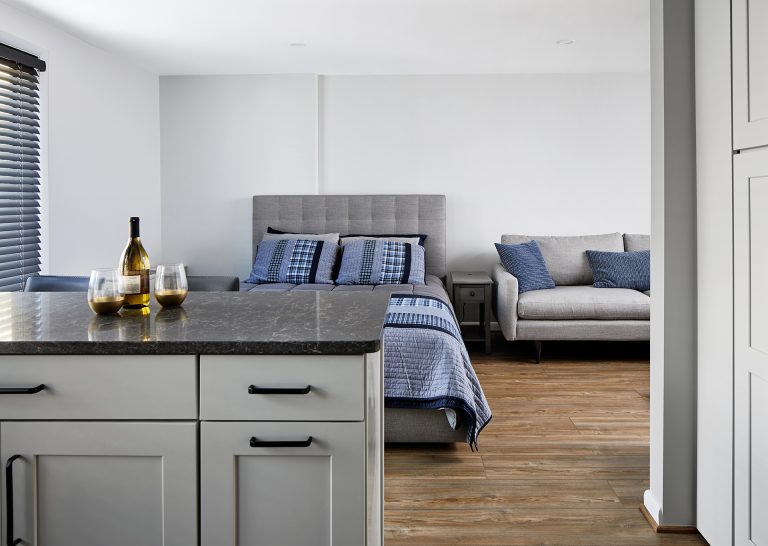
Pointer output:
x,y
473,288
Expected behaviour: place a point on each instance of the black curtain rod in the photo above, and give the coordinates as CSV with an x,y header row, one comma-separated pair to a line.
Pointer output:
x,y
17,56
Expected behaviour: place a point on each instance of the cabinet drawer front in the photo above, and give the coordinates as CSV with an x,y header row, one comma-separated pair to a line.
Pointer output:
x,y
99,387
471,294
253,388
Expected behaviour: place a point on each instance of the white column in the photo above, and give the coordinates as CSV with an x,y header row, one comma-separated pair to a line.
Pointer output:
x,y
671,500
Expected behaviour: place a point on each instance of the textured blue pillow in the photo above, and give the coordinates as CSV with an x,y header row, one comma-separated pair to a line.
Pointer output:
x,y
377,261
295,261
525,262
621,269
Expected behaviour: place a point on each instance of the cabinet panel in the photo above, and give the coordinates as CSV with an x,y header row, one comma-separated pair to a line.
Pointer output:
x,y
289,488
337,387
100,387
758,455
750,73
275,496
751,348
90,484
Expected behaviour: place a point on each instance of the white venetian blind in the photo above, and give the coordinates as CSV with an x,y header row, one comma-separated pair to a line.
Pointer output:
x,y
19,172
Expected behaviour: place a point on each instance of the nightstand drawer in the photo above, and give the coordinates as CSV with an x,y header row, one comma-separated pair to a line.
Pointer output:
x,y
34,387
471,294
282,388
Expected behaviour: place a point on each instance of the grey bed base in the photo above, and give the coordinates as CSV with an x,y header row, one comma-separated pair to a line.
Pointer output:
x,y
371,214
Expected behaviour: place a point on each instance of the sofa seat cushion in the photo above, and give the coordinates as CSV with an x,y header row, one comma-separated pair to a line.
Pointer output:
x,y
584,303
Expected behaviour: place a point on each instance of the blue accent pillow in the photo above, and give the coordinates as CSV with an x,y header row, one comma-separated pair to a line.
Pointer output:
x,y
295,261
621,269
525,262
378,261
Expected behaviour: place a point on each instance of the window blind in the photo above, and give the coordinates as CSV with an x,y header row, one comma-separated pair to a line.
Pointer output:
x,y
19,170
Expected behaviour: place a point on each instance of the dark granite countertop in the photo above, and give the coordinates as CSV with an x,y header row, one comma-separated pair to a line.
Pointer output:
x,y
297,322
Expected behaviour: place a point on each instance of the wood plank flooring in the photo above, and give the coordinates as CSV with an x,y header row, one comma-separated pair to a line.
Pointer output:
x,y
564,460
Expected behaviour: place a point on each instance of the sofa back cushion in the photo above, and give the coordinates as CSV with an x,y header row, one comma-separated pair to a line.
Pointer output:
x,y
566,256
635,242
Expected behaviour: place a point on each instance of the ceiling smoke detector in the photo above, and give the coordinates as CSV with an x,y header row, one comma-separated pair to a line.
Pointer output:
x,y
565,42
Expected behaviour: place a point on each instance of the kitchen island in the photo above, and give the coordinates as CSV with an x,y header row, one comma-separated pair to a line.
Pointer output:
x,y
239,418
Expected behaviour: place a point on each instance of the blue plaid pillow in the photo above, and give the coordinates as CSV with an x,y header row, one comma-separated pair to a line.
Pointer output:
x,y
295,261
525,262
377,261
621,269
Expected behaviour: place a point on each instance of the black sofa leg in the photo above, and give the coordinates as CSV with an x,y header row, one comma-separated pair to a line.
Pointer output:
x,y
537,349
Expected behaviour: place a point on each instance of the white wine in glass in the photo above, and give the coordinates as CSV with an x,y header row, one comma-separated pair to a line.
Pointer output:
x,y
105,294
170,285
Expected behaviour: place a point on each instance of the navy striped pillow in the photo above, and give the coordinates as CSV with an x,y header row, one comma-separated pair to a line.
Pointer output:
x,y
295,261
621,269
377,261
525,262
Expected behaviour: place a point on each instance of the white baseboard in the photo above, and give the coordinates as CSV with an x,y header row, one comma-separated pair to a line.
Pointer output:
x,y
652,506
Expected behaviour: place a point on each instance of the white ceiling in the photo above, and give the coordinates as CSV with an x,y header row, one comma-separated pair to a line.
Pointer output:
x,y
361,36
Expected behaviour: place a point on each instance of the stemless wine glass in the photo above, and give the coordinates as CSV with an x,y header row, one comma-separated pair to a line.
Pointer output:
x,y
105,293
170,284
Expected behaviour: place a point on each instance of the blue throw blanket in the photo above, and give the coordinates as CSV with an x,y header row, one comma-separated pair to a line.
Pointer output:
x,y
426,364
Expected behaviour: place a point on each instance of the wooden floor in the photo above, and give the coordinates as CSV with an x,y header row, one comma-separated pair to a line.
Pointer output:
x,y
564,460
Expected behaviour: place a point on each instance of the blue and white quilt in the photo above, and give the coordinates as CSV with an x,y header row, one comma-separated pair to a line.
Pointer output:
x,y
426,364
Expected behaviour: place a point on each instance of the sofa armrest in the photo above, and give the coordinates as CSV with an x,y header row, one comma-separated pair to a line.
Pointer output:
x,y
505,285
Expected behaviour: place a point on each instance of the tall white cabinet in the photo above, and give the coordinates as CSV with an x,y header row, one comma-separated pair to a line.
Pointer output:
x,y
751,347
750,267
732,157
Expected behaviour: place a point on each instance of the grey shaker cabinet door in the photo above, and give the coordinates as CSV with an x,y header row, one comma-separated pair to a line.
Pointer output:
x,y
750,73
93,484
750,268
282,496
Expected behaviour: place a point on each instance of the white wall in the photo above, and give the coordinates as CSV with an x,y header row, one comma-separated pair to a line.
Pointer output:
x,y
102,145
542,154
225,139
536,154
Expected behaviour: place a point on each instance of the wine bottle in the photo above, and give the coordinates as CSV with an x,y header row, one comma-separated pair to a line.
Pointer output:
x,y
134,267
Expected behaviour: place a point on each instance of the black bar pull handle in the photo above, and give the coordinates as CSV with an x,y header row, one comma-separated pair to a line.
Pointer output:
x,y
22,390
253,389
9,502
255,442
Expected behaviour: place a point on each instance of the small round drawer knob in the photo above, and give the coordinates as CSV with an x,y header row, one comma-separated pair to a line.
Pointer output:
x,y
472,293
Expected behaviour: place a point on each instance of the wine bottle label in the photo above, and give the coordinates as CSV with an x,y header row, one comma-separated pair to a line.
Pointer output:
x,y
131,284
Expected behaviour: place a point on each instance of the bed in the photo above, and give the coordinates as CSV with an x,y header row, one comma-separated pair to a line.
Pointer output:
x,y
372,214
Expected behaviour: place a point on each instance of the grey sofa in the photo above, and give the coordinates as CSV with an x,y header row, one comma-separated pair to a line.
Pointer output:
x,y
574,309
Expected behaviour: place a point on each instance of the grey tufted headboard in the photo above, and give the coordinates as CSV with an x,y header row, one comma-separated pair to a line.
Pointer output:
x,y
357,214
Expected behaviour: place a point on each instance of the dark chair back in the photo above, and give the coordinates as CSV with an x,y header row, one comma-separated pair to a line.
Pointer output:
x,y
200,283
63,283
56,283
